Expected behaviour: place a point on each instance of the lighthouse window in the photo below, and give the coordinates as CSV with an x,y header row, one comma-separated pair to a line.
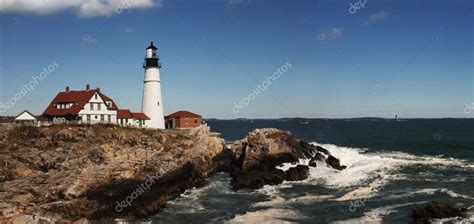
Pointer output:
x,y
158,103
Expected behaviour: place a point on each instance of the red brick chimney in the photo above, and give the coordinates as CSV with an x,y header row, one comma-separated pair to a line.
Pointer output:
x,y
67,89
88,87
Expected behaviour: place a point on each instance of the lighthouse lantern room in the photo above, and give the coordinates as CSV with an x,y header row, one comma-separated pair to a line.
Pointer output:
x,y
152,104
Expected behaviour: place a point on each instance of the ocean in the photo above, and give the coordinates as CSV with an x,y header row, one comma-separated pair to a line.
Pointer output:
x,y
392,166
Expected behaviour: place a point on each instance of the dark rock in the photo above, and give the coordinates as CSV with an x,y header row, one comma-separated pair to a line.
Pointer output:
x,y
255,179
334,163
267,148
323,150
257,155
317,157
435,210
299,172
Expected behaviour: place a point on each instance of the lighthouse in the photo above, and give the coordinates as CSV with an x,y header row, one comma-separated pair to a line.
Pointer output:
x,y
152,103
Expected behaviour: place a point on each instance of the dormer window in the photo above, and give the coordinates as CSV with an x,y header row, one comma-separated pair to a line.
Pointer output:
x,y
95,96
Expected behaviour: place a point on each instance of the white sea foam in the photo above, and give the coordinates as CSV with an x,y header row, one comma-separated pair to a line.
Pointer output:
x,y
376,215
267,216
278,201
369,172
189,201
429,191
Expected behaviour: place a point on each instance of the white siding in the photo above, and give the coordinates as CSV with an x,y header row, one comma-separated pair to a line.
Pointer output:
x,y
96,114
25,116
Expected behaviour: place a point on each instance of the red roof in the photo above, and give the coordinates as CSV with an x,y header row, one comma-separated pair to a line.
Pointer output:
x,y
183,113
123,114
78,98
140,116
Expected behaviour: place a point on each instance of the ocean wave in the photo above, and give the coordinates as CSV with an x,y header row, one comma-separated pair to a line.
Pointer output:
x,y
376,215
280,201
367,172
190,200
272,215
429,191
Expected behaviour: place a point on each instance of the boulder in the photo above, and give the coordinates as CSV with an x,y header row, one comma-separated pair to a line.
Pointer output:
x,y
267,148
334,163
255,179
257,155
317,157
435,210
300,172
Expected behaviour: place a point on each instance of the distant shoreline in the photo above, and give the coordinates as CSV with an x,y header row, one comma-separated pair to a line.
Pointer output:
x,y
333,119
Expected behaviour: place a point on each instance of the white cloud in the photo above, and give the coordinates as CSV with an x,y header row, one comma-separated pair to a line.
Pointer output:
x,y
331,34
382,15
84,8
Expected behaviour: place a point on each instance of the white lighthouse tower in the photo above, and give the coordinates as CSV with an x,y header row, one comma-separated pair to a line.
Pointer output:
x,y
152,104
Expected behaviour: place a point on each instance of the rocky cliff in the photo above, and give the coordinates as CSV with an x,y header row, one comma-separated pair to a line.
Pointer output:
x,y
262,150
80,173
98,173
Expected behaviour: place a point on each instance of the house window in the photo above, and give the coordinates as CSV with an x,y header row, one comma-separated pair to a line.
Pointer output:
x,y
92,106
195,121
98,106
109,118
95,96
102,118
95,117
88,118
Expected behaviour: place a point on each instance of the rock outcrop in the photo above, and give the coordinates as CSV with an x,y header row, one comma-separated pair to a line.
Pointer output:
x,y
435,210
262,150
76,173
299,172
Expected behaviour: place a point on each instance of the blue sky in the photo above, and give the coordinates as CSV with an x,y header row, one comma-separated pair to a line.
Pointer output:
x,y
411,58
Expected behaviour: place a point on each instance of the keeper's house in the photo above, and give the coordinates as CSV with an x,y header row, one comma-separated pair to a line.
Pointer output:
x,y
89,106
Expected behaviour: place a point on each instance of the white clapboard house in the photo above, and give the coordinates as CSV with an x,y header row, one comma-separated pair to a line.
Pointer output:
x,y
26,118
89,106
